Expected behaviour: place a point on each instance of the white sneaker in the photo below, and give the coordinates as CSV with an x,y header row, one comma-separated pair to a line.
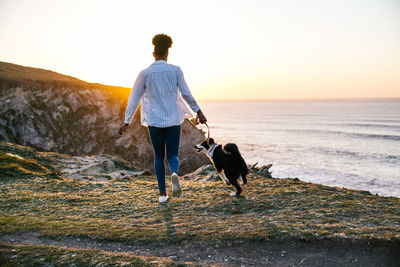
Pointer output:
x,y
176,185
162,199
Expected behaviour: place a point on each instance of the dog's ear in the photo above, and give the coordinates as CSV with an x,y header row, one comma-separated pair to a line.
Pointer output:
x,y
204,144
211,141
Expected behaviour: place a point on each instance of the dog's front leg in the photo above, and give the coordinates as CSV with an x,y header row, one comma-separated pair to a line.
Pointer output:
x,y
223,177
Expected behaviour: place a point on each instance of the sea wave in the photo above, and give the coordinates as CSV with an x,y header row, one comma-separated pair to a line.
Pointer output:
x,y
382,120
341,133
380,136
384,158
378,126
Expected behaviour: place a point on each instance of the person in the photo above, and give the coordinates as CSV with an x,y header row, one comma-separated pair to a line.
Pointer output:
x,y
160,88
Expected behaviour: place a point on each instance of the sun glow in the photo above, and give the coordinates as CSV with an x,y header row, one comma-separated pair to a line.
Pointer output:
x,y
227,49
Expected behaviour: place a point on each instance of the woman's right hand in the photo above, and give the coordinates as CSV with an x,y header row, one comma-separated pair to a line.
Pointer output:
x,y
202,118
123,129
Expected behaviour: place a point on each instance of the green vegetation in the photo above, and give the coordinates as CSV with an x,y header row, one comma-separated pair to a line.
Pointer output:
x,y
127,210
23,162
9,71
16,75
56,256
14,166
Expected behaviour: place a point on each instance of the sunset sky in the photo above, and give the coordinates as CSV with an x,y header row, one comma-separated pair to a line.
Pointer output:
x,y
227,49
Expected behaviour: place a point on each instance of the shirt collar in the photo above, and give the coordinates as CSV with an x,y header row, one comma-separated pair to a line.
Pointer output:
x,y
161,61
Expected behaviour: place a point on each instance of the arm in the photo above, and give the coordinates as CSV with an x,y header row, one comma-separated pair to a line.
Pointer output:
x,y
133,102
187,95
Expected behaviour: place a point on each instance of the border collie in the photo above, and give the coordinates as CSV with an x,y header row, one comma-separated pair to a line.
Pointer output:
x,y
227,161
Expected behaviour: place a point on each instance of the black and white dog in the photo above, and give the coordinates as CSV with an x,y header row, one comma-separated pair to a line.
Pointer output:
x,y
227,161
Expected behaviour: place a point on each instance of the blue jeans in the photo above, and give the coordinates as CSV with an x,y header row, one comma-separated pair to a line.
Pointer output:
x,y
162,138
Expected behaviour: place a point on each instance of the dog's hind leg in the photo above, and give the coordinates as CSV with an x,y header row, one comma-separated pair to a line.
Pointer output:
x,y
244,179
238,189
221,173
223,176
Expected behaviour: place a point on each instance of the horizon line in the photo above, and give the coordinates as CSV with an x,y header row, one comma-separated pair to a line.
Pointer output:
x,y
302,99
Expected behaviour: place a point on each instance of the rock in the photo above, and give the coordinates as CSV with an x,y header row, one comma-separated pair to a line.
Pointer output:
x,y
253,166
201,173
208,172
264,170
99,168
108,165
211,177
58,113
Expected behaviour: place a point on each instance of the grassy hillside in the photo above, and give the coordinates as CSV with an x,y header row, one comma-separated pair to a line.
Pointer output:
x,y
9,71
16,75
127,210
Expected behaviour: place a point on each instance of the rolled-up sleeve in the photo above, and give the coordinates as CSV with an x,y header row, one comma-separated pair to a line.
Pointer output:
x,y
186,94
135,96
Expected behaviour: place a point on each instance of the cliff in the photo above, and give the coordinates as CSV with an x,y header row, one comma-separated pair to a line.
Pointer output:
x,y
54,112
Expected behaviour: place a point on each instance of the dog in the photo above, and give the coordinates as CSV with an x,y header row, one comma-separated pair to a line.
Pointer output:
x,y
227,161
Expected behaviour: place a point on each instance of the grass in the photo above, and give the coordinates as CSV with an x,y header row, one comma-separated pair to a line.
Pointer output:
x,y
34,198
15,166
129,211
17,255
36,78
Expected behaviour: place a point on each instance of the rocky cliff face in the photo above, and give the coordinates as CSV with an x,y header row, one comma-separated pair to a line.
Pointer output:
x,y
62,114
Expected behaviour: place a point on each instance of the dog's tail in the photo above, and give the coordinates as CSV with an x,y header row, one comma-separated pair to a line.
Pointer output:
x,y
234,150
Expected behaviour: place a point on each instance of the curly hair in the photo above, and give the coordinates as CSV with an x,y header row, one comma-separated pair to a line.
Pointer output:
x,y
161,44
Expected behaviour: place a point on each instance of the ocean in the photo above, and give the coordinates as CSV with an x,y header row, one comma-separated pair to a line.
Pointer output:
x,y
344,143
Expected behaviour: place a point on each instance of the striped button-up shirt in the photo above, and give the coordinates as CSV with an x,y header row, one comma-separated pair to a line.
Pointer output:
x,y
161,87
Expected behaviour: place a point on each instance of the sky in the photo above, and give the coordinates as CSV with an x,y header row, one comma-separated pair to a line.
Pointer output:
x,y
227,49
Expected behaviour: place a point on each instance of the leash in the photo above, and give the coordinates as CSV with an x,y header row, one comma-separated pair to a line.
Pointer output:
x,y
208,134
195,122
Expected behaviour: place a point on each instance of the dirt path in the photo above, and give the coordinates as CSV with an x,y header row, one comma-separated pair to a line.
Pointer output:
x,y
272,253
